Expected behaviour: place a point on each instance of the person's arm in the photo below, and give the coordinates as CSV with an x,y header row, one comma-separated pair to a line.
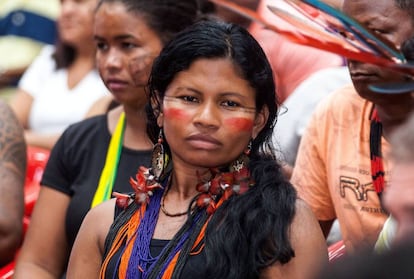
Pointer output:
x,y
12,173
46,141
45,249
30,86
310,248
9,76
21,104
86,256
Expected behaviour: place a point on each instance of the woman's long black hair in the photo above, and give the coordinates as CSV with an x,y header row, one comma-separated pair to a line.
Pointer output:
x,y
251,231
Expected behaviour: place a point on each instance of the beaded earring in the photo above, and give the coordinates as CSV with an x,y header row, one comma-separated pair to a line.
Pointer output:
x,y
159,159
147,179
243,160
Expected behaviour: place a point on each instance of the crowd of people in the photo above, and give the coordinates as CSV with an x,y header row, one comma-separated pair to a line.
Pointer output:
x,y
187,141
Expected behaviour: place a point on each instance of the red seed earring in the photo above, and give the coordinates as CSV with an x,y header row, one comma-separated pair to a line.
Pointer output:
x,y
243,160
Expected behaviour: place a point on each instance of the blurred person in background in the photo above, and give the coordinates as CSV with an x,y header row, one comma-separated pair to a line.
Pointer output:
x,y
343,165
291,63
399,195
25,27
62,83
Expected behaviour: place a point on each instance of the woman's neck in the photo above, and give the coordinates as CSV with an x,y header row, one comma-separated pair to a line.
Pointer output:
x,y
85,49
80,68
185,180
135,135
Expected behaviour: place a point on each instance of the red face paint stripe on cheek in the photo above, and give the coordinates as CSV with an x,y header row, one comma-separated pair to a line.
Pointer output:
x,y
239,124
175,113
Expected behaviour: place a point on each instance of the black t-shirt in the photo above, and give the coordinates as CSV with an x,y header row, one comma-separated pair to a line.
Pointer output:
x,y
76,162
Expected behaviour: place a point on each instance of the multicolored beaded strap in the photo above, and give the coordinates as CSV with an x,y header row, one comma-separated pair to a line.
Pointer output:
x,y
135,260
110,170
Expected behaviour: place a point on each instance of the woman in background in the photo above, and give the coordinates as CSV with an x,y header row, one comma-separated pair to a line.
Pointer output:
x,y
62,83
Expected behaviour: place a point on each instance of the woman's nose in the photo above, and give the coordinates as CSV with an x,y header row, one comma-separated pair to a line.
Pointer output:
x,y
113,60
207,115
67,7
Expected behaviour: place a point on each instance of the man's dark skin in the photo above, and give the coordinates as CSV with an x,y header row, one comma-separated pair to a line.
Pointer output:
x,y
12,176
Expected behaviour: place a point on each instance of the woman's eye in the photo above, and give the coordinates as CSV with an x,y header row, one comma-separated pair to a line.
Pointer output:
x,y
189,99
231,104
127,45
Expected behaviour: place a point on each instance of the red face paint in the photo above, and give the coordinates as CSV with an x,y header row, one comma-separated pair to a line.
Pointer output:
x,y
239,124
175,113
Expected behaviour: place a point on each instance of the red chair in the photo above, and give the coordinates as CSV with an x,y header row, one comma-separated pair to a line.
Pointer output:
x,y
36,162
336,250
7,271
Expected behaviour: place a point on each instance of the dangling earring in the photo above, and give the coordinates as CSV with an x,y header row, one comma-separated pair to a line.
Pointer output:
x,y
243,160
158,159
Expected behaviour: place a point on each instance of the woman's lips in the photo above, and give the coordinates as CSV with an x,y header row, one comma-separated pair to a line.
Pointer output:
x,y
116,85
203,142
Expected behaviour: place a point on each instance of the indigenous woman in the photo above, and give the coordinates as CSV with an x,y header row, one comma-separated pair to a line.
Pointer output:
x,y
214,203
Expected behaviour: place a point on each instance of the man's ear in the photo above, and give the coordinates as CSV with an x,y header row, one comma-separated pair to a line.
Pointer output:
x,y
260,121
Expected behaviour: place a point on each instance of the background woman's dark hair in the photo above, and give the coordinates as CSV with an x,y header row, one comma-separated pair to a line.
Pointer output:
x,y
248,232
218,12
165,17
64,54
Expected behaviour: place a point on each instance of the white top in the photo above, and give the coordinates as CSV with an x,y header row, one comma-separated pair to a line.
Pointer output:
x,y
55,106
387,235
297,109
